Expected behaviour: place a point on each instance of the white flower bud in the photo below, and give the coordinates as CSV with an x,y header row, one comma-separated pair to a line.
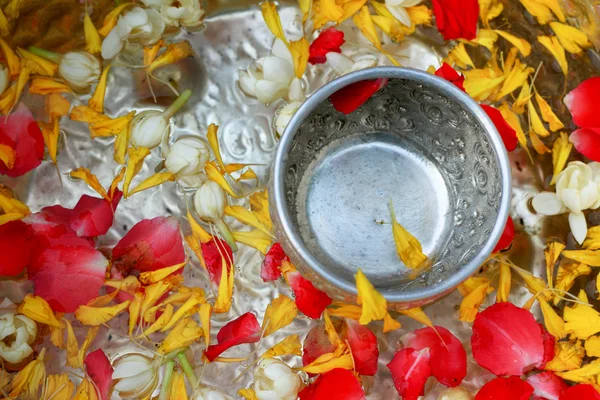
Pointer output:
x,y
17,333
79,69
208,393
274,380
4,78
456,393
284,115
187,156
148,129
186,13
210,201
135,375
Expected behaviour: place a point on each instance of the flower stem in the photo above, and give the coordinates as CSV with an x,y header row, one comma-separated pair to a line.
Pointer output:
x,y
226,233
165,389
46,54
177,104
188,369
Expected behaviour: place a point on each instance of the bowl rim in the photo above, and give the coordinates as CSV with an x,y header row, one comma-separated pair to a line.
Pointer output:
x,y
447,88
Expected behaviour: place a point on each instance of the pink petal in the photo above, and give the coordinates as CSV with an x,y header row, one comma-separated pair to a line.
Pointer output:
x,y
456,18
337,384
316,344
363,344
583,102
410,370
513,388
93,216
244,329
507,237
447,359
151,244
213,253
348,99
269,270
451,75
547,386
329,40
100,371
587,142
16,242
580,392
507,340
507,133
20,132
310,300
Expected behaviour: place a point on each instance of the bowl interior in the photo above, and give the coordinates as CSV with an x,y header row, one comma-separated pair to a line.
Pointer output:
x,y
411,144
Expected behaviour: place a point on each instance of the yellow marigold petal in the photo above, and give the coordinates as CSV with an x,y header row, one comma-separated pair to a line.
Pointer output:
x,y
343,310
331,332
558,51
523,99
349,8
513,120
92,181
567,356
374,305
150,277
46,86
93,43
486,38
86,391
4,28
38,310
536,123
198,232
87,342
223,301
289,346
299,50
390,324
365,24
588,257
537,143
381,9
214,174
21,82
330,10
205,312
566,275
582,321
407,246
96,102
259,204
213,141
58,387
13,61
472,283
341,358
481,83
150,52
26,383
110,21
459,57
111,126
521,44
248,394
178,390
255,239
534,284
37,64
94,316
560,154
183,334
420,15
188,308
7,99
87,115
121,142
279,314
538,10
592,240
57,106
418,315
469,307
389,25
134,165
160,322
248,175
515,78
153,293
7,156
504,283
573,40
57,337
592,346
305,6
72,347
271,17
554,324
586,374
152,181
547,114
175,52
135,309
489,9
551,254
246,217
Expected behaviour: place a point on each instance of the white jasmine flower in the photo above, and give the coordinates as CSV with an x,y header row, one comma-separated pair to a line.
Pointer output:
x,y
398,9
284,115
79,69
136,375
343,64
577,189
148,129
272,77
208,393
17,333
275,380
186,13
187,156
210,201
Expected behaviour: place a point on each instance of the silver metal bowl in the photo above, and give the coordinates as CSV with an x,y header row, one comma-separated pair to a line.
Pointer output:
x,y
420,142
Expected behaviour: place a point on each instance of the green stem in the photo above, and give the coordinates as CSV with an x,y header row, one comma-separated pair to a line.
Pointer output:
x,y
47,54
188,370
226,233
165,389
177,104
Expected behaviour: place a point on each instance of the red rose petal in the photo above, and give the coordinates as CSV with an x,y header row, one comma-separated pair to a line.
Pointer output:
x,y
451,75
15,248
410,370
583,102
310,300
316,344
547,386
363,344
151,244
507,237
244,329
93,216
337,384
507,340
513,388
100,371
269,270
508,134
348,99
20,132
587,142
456,18
447,359
214,252
580,392
329,40
549,342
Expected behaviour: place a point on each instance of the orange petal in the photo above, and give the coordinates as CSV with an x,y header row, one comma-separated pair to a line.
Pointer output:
x,y
96,102
46,86
175,52
93,43
153,181
91,179
13,61
134,164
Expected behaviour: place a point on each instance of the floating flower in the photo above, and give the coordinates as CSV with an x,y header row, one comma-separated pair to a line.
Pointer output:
x,y
310,300
577,189
456,18
363,345
513,388
135,375
410,370
272,77
274,379
398,9
349,98
17,334
244,329
335,384
186,157
547,385
210,201
329,40
507,340
100,371
342,64
21,143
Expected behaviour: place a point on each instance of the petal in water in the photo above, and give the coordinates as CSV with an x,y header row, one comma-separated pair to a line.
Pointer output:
x,y
508,235
547,385
582,102
269,270
507,133
410,370
513,388
451,75
100,371
587,142
244,329
328,41
22,135
336,384
310,300
363,345
579,392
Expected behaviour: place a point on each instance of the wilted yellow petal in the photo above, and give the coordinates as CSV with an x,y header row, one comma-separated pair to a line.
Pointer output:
x,y
473,283
38,65
93,43
87,115
582,321
515,78
481,83
533,283
13,61
469,307
330,11
134,310
554,324
103,301
4,27
205,312
558,51
407,246
588,257
341,358
175,52
12,208
134,165
94,316
223,301
418,315
567,356
246,217
152,181
110,21
7,99
259,204
160,322
536,123
374,305
38,310
57,106
592,240
459,57
271,17
560,154
247,175
215,175
538,10
150,52
489,9
213,141
255,239
547,114
521,44
289,346
551,254
183,334
188,308
343,310
390,324
365,24
586,374
350,7
279,314
121,142
513,120
419,15
153,293
537,143
504,281
486,38
573,40
96,102
46,86
331,332
566,275
390,25
21,82
57,336
299,49
248,394
592,346
26,383
58,387
92,181
523,99
178,390
72,347
111,126
7,156
149,277
197,231
86,391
